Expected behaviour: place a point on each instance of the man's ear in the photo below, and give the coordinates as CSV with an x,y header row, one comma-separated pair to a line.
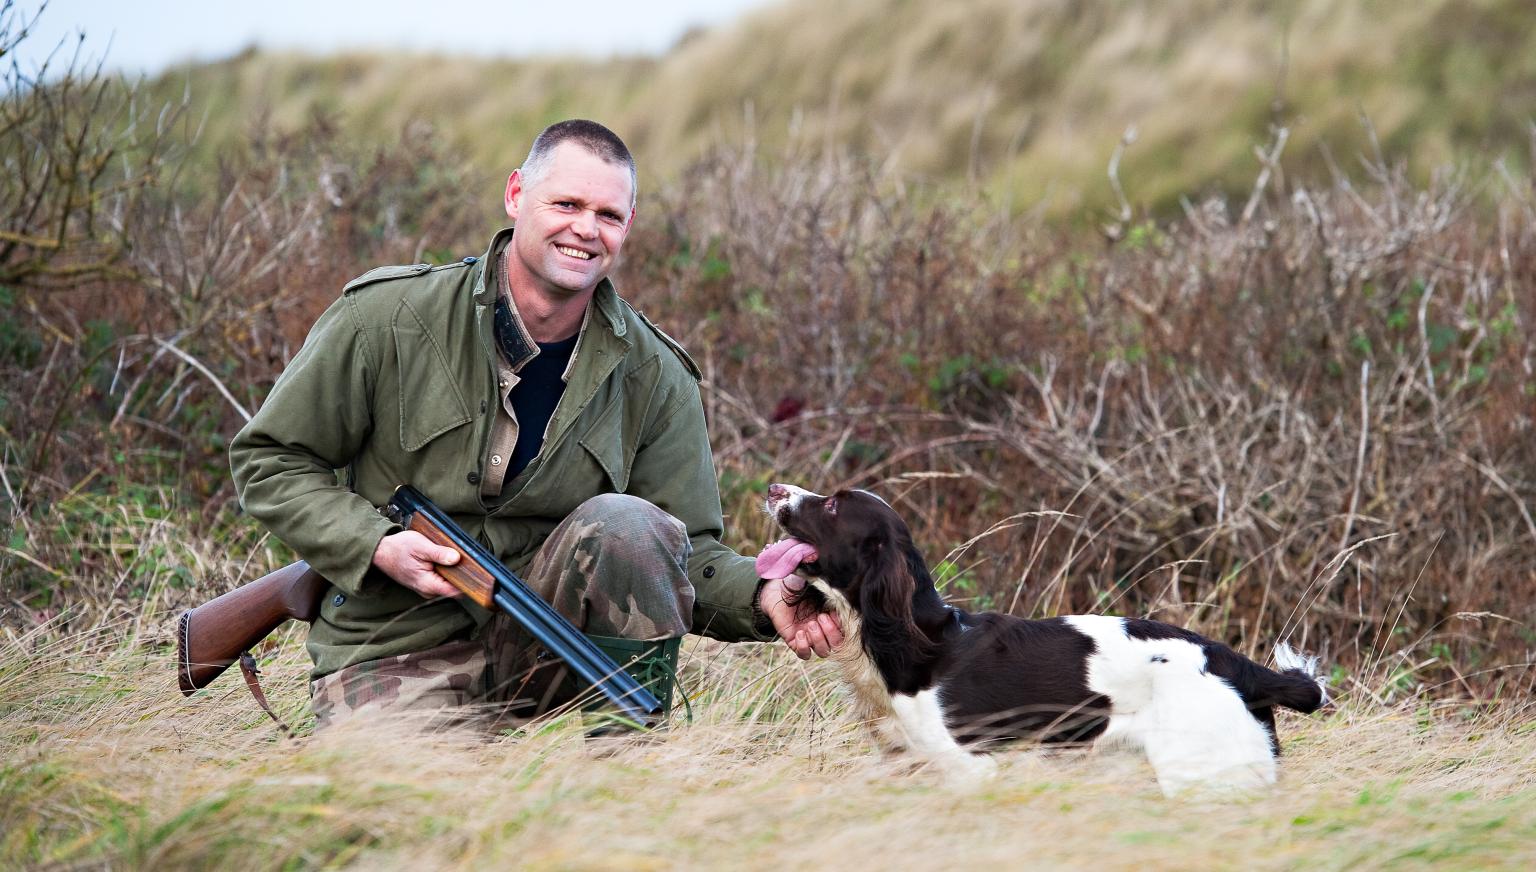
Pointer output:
x,y
514,194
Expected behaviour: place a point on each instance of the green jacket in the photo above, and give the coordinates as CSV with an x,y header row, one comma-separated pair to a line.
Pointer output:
x,y
397,383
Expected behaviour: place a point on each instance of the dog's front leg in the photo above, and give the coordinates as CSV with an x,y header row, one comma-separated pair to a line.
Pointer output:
x,y
922,721
888,733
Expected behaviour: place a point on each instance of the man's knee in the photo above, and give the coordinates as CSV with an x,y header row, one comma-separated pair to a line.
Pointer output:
x,y
629,536
633,561
628,518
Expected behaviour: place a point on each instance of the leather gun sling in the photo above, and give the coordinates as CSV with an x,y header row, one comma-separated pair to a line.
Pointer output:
x,y
253,682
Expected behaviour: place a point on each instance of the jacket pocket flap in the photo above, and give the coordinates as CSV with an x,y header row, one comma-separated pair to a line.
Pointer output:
x,y
431,402
604,440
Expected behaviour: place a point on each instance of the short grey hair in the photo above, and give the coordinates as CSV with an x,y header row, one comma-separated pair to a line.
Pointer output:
x,y
590,135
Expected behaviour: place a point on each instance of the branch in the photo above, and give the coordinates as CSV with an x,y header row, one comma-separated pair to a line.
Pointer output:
x,y
198,365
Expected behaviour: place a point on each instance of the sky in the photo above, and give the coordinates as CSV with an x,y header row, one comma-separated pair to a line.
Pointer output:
x,y
149,35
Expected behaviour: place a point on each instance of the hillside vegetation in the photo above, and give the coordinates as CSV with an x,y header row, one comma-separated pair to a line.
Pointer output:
x,y
1303,412
1026,99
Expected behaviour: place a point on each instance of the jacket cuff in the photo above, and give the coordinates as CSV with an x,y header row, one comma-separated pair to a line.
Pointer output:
x,y
762,625
346,557
725,596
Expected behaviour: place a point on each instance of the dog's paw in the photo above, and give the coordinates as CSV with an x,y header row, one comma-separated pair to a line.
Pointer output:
x,y
965,770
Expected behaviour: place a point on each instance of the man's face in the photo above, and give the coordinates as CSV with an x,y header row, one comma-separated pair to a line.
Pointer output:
x,y
570,222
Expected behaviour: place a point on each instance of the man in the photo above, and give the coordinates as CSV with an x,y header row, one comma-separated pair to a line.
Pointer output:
x,y
548,417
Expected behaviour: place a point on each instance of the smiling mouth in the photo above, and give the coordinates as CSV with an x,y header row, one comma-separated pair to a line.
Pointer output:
x,y
573,252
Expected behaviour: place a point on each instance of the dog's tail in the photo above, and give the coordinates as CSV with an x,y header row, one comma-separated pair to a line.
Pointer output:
x,y
1297,685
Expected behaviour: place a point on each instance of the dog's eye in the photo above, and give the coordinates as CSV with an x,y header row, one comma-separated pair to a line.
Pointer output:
x,y
831,506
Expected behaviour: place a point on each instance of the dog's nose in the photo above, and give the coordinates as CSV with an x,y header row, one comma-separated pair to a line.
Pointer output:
x,y
777,491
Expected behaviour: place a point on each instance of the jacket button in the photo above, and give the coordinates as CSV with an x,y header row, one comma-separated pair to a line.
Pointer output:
x,y
495,459
470,260
339,599
473,478
709,572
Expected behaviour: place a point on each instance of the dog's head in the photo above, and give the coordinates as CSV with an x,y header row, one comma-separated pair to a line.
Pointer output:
x,y
863,548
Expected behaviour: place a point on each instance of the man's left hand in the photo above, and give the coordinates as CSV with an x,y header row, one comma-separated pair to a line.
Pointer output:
x,y
816,632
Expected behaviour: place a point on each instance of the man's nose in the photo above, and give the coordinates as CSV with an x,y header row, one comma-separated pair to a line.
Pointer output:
x,y
585,225
777,492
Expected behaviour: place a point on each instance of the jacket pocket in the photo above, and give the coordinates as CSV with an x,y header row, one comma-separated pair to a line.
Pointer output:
x,y
604,440
431,401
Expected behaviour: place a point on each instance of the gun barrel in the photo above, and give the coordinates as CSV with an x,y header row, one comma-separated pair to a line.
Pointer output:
x,y
538,617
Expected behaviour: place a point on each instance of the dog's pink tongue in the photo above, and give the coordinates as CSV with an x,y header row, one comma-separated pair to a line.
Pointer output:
x,y
783,557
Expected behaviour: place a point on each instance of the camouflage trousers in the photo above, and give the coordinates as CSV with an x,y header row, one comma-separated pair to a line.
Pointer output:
x,y
617,566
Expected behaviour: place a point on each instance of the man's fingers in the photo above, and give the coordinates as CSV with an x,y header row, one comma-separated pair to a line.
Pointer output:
x,y
428,551
806,639
444,586
412,560
817,634
817,638
830,629
800,645
431,584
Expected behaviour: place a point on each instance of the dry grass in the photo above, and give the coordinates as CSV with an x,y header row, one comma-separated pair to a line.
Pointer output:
x,y
106,766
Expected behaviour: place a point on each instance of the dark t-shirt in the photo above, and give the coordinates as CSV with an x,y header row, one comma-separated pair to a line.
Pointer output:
x,y
534,398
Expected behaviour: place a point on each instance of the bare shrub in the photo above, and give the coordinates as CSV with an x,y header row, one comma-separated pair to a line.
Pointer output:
x,y
150,302
1315,423
78,152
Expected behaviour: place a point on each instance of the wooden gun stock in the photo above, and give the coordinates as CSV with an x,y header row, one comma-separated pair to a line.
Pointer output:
x,y
468,575
212,636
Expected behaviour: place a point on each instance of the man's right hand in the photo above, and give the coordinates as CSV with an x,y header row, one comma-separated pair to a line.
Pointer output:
x,y
409,558
805,634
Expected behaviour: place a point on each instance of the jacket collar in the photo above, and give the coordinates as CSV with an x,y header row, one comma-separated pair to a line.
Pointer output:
x,y
605,299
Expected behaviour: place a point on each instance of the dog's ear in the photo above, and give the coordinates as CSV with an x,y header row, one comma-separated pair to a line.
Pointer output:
x,y
886,586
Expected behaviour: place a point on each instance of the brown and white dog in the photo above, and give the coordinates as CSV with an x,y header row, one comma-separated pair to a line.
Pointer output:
x,y
943,683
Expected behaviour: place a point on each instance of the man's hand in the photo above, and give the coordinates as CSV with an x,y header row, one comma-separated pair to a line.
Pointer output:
x,y
409,557
816,632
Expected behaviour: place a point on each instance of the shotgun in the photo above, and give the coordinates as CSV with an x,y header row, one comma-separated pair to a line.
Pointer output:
x,y
218,633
